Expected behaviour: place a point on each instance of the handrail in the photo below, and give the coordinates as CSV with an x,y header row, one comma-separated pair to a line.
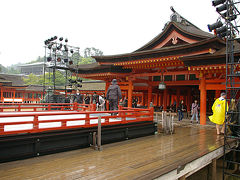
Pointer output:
x,y
45,107
45,121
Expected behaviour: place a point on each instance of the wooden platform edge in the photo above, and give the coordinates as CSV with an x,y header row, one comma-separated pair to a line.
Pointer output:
x,y
195,165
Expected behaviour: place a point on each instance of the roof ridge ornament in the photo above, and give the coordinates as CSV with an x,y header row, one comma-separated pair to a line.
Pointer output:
x,y
176,17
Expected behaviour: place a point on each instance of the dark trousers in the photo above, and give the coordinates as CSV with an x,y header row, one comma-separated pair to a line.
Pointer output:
x,y
180,115
113,105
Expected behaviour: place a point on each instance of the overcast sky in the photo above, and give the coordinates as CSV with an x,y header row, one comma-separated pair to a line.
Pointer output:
x,y
113,26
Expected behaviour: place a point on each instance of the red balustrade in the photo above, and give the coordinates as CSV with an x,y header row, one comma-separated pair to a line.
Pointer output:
x,y
43,121
33,107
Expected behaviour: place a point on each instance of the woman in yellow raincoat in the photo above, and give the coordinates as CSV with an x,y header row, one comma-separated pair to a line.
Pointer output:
x,y
218,116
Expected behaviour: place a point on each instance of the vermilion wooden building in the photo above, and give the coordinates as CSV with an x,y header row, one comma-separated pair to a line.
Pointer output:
x,y
189,61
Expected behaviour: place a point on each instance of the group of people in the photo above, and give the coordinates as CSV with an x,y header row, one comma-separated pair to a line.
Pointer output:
x,y
84,98
182,108
99,100
114,95
219,109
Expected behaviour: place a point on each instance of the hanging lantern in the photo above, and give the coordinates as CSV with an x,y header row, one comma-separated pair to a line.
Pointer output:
x,y
162,86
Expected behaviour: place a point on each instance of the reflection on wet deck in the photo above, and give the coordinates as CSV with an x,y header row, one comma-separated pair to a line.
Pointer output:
x,y
132,159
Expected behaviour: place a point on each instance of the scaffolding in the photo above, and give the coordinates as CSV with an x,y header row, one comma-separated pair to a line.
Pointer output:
x,y
232,121
59,56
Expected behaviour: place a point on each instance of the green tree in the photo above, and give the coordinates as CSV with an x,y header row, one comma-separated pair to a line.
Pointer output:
x,y
32,79
59,79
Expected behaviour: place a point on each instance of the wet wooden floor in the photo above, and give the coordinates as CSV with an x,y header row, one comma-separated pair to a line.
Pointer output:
x,y
132,159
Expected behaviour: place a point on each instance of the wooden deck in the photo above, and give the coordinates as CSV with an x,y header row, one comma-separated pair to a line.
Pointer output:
x,y
142,158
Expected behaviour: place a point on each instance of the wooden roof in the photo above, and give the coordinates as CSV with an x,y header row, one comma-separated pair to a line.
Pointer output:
x,y
185,29
181,44
12,79
214,42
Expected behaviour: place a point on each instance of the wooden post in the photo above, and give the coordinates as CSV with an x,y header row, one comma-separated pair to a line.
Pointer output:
x,y
130,91
149,95
182,178
203,98
99,134
214,169
94,141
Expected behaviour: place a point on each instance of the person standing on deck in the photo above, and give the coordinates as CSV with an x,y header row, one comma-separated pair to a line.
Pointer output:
x,y
101,103
87,99
218,116
78,97
114,94
181,109
95,98
194,111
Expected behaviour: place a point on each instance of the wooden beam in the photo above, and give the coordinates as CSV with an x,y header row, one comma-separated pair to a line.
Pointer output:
x,y
215,87
177,83
160,73
214,169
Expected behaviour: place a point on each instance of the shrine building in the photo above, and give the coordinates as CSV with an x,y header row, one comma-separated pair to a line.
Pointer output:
x,y
188,61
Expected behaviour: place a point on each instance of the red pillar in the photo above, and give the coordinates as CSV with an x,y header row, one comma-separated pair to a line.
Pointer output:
x,y
161,99
130,91
149,95
106,88
189,99
203,99
157,97
178,97
165,99
168,99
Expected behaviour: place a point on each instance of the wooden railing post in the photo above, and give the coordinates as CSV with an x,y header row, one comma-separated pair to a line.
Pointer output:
x,y
75,106
151,113
19,107
87,121
35,123
94,107
99,134
1,128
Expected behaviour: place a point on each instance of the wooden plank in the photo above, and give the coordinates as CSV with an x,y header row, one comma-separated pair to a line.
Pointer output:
x,y
142,158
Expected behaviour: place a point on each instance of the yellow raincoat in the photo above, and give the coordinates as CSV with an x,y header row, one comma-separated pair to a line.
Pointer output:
x,y
218,109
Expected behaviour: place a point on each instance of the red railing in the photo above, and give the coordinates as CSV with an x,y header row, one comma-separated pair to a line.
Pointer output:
x,y
33,122
36,107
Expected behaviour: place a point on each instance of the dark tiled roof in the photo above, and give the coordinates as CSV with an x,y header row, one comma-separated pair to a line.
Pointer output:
x,y
16,80
193,30
186,29
218,57
165,51
93,86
